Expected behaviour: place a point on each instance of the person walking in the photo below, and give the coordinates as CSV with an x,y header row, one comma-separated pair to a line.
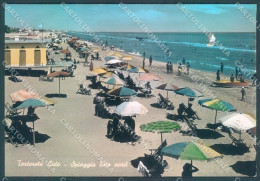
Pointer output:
x,y
218,75
243,92
171,67
236,72
188,68
150,60
144,60
167,67
183,61
221,67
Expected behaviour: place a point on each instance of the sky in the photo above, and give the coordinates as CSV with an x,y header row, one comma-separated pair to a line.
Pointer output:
x,y
111,18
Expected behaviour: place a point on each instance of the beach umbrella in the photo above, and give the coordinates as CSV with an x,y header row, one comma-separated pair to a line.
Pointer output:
x,y
118,55
110,58
217,104
114,81
190,151
136,70
148,77
59,74
23,95
167,87
131,109
107,75
74,38
239,122
66,52
122,92
160,127
99,71
189,92
127,58
84,49
34,103
113,61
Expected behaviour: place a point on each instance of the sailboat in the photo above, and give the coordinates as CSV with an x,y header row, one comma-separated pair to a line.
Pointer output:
x,y
212,39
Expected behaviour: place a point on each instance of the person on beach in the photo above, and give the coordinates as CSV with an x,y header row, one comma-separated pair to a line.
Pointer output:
x,y
171,67
143,63
167,67
188,169
31,111
97,55
236,72
218,75
232,78
241,78
254,79
150,60
148,86
179,69
183,61
221,67
188,68
243,92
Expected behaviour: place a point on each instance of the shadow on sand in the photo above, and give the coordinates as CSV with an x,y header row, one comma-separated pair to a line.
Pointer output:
x,y
203,133
124,138
229,149
56,95
245,167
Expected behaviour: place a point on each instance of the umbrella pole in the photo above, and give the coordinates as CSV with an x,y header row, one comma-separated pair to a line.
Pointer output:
x,y
167,94
191,165
33,134
240,135
161,138
59,87
216,117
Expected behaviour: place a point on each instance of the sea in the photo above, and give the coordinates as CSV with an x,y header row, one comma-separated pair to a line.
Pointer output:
x,y
238,48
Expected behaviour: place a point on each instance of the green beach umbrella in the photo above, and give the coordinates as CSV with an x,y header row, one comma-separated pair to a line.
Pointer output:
x,y
114,81
122,92
34,103
189,92
217,104
190,151
160,127
84,49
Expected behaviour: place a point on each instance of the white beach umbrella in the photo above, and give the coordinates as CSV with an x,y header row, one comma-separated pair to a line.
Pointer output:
x,y
238,121
113,61
131,109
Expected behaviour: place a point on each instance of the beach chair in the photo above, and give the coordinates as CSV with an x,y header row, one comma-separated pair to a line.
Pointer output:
x,y
146,92
143,169
165,103
45,78
14,79
191,126
9,111
154,162
83,90
8,134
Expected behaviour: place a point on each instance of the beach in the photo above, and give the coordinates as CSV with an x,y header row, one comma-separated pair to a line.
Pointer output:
x,y
70,158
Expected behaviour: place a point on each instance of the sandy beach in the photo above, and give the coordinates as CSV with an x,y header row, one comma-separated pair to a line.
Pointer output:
x,y
77,111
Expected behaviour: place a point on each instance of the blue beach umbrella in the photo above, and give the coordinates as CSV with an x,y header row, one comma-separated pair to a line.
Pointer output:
x,y
34,103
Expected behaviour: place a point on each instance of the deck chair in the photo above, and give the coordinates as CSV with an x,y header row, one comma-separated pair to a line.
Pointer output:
x,y
143,169
45,78
9,111
8,134
83,90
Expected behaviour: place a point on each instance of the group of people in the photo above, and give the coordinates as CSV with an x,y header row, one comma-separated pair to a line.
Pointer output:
x,y
169,67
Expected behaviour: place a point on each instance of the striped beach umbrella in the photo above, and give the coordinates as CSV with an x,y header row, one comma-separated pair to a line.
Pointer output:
x,y
160,127
190,151
217,104
167,87
137,70
131,109
122,92
114,81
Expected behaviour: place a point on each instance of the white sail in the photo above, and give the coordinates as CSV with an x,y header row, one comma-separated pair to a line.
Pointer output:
x,y
212,40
